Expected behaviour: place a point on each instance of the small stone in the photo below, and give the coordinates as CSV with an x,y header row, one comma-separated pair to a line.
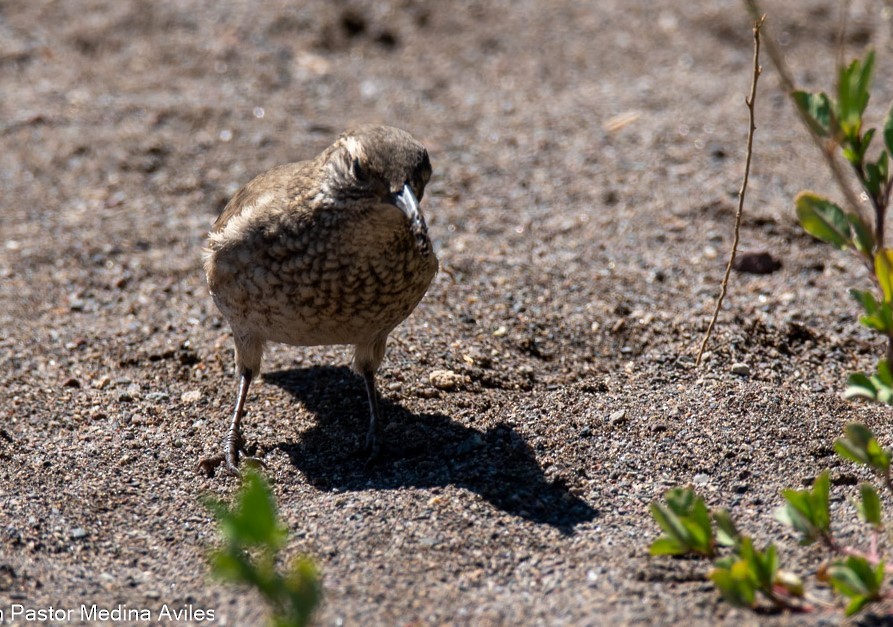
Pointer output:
x,y
700,478
446,379
78,532
618,417
192,396
71,383
756,263
740,369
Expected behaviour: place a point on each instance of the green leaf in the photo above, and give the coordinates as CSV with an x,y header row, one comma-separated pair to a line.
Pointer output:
x,y
859,434
823,219
866,142
857,580
860,445
231,566
847,581
727,533
870,505
303,591
885,372
853,87
685,520
700,537
734,584
847,449
888,131
763,566
680,500
816,109
866,299
671,524
807,510
863,239
883,269
666,546
255,521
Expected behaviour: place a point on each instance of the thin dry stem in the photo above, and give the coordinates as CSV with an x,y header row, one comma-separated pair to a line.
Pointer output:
x,y
826,147
749,101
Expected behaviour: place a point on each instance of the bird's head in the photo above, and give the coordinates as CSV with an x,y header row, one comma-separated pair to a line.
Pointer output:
x,y
378,162
381,163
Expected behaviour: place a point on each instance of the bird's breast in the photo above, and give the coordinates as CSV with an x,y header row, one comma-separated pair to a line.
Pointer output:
x,y
336,277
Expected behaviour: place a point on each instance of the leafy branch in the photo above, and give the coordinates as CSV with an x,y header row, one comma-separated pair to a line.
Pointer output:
x,y
746,574
253,538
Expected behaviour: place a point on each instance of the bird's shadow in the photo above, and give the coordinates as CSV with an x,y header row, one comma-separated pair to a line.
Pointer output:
x,y
418,450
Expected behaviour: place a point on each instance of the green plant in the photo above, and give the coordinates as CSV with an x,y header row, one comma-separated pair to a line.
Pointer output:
x,y
744,575
857,580
839,121
253,536
685,519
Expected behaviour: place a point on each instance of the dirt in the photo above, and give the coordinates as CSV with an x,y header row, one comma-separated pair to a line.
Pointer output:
x,y
587,158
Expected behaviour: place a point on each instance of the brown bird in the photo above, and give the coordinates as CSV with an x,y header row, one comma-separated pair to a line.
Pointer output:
x,y
333,250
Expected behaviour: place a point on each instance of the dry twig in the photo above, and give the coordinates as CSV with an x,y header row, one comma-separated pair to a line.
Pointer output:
x,y
749,101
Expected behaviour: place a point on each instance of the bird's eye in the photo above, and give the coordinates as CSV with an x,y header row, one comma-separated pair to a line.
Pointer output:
x,y
423,171
359,172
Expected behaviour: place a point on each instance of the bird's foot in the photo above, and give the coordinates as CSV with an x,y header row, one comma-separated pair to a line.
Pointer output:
x,y
233,451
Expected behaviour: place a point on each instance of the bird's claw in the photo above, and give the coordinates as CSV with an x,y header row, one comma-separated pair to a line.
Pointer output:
x,y
229,459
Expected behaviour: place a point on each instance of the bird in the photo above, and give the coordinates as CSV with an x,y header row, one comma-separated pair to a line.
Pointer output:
x,y
332,250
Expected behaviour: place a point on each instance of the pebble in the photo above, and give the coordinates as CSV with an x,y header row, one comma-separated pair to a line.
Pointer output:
x,y
192,396
78,532
756,263
446,379
700,478
741,369
618,417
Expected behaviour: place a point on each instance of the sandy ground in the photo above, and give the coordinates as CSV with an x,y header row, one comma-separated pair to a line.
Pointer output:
x,y
587,158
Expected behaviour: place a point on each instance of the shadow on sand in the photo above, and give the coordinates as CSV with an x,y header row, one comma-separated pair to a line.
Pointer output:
x,y
418,450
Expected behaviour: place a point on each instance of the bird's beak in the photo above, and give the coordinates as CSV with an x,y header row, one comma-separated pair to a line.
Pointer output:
x,y
407,203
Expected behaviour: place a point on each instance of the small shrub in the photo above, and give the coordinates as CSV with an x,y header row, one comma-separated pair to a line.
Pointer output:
x,y
253,536
746,575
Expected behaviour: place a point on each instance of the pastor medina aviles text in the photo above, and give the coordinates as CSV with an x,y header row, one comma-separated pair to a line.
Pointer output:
x,y
120,613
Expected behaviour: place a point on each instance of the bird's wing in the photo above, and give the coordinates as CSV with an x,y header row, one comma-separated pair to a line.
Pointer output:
x,y
275,182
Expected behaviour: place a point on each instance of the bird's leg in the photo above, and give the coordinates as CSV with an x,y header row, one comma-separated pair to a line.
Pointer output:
x,y
372,446
233,444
